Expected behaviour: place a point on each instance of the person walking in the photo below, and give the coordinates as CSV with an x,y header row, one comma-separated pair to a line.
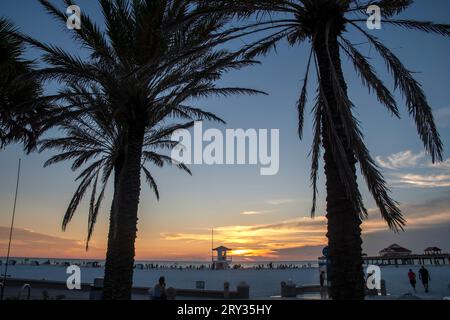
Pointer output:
x,y
424,275
412,279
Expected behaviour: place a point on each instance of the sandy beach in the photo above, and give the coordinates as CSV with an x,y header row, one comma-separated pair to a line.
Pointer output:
x,y
264,284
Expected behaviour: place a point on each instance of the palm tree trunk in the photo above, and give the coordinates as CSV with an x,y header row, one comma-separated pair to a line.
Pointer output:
x,y
118,165
123,221
344,224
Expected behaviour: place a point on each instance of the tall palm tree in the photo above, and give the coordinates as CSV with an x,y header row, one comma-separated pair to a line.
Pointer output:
x,y
21,110
146,64
325,24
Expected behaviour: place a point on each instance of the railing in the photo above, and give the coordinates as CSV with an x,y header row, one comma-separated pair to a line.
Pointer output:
x,y
223,259
27,287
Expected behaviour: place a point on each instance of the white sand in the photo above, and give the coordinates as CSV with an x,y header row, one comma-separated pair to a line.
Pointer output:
x,y
263,283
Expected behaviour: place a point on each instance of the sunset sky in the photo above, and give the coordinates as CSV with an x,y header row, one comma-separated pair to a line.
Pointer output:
x,y
260,217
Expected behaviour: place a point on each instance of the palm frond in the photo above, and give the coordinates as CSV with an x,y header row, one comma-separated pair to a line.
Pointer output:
x,y
414,96
370,78
76,199
425,26
301,103
151,181
315,150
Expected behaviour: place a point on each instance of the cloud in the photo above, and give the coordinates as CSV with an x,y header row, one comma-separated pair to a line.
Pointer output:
x,y
410,170
442,117
262,241
401,160
251,213
26,242
292,239
303,238
428,223
255,212
431,213
277,202
421,181
306,252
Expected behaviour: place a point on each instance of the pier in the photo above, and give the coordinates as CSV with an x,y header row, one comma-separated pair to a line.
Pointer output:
x,y
397,255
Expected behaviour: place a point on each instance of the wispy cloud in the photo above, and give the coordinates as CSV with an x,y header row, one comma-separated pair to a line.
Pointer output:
x,y
256,212
409,169
251,213
291,239
303,238
421,181
277,202
29,243
401,160
263,240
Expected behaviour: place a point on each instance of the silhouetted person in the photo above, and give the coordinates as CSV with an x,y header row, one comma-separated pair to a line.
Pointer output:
x,y
424,275
323,290
322,279
159,291
412,279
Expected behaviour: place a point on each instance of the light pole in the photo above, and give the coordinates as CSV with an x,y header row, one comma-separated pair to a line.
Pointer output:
x,y
11,231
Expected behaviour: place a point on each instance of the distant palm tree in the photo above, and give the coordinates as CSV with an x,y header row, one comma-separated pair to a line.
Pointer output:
x,y
145,65
21,110
93,140
324,24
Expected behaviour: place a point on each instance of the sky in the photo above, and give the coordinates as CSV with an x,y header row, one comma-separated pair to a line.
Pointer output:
x,y
260,217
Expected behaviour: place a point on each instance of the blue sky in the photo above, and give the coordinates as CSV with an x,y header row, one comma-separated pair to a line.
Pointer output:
x,y
216,196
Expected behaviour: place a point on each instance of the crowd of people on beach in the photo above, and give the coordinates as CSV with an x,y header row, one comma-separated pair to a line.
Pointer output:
x,y
156,266
163,266
271,266
237,266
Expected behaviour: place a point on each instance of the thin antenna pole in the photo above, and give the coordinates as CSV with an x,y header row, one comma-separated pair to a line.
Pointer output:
x,y
11,228
212,245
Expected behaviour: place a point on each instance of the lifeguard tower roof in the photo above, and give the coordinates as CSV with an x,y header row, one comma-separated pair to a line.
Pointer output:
x,y
222,248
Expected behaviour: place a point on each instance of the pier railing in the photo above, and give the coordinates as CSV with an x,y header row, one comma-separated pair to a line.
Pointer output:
x,y
412,259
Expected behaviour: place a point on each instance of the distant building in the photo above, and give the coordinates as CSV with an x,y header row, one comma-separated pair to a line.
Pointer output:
x,y
221,261
432,250
395,250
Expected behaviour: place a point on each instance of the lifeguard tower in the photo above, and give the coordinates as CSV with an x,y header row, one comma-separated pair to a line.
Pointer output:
x,y
221,261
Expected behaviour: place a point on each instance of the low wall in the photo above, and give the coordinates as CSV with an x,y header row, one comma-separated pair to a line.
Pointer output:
x,y
86,287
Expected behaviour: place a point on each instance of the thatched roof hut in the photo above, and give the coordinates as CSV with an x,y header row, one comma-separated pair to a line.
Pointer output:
x,y
395,250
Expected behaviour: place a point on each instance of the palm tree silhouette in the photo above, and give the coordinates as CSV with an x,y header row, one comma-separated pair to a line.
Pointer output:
x,y
94,141
22,112
145,66
94,144
324,24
